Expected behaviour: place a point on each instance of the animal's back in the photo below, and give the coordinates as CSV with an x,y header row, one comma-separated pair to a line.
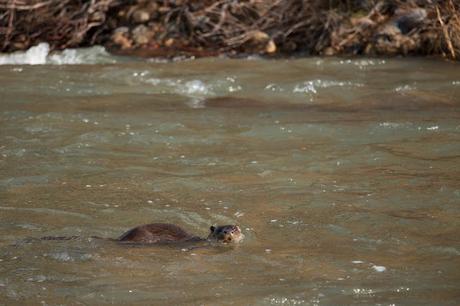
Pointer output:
x,y
157,233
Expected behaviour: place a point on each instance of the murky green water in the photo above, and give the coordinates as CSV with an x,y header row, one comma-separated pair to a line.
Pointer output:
x,y
343,174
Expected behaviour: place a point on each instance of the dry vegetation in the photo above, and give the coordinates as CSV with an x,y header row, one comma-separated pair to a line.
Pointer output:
x,y
207,27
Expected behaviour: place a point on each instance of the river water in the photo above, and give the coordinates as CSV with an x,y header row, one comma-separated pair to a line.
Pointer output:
x,y
344,175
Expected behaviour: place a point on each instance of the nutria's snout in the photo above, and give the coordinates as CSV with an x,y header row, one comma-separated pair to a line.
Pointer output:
x,y
226,233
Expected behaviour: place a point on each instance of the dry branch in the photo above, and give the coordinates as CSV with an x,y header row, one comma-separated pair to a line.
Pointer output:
x,y
445,33
62,23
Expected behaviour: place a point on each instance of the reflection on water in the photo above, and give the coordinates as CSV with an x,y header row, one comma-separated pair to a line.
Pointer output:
x,y
343,175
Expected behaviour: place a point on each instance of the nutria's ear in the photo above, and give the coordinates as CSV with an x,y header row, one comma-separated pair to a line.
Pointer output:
x,y
212,228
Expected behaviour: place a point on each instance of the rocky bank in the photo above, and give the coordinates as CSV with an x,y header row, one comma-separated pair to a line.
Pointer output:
x,y
169,28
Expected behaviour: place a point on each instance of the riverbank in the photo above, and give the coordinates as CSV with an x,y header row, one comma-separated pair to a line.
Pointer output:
x,y
207,28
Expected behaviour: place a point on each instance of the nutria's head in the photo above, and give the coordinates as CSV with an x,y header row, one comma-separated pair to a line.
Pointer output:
x,y
226,233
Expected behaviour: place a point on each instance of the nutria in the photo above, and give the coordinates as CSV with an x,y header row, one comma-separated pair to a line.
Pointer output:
x,y
164,233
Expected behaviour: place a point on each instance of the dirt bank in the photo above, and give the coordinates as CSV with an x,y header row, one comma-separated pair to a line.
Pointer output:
x,y
206,27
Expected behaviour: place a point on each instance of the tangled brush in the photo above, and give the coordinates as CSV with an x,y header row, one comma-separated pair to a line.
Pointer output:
x,y
333,27
62,23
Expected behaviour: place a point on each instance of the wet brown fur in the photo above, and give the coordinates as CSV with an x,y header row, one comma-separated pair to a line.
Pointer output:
x,y
169,233
157,233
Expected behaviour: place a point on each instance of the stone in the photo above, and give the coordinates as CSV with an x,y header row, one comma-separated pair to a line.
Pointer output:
x,y
120,37
169,42
270,47
406,20
259,37
140,16
329,51
141,35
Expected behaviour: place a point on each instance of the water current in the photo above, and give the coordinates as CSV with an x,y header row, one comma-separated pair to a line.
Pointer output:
x,y
344,175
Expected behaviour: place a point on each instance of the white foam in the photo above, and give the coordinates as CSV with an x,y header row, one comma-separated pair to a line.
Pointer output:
x,y
195,102
362,63
34,56
313,85
306,87
40,55
196,87
363,291
379,268
404,88
389,124
197,90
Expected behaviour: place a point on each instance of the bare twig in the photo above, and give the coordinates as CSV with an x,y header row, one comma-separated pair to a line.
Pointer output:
x,y
446,34
23,7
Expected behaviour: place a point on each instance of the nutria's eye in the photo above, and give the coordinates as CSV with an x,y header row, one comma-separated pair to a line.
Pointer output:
x,y
212,228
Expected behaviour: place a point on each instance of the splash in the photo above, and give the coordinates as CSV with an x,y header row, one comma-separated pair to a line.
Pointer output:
x,y
34,56
41,55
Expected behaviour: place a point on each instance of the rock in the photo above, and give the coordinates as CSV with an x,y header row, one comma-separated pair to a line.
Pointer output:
x,y
391,41
140,16
122,13
169,42
121,30
260,42
259,37
329,51
164,9
406,20
120,37
141,35
152,9
270,47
